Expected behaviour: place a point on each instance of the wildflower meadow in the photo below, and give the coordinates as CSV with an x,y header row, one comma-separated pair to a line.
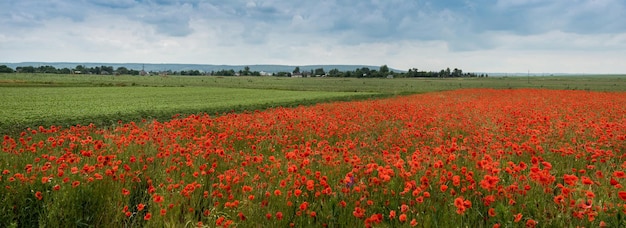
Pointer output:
x,y
463,158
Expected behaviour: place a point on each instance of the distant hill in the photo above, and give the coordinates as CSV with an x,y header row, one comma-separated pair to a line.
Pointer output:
x,y
200,67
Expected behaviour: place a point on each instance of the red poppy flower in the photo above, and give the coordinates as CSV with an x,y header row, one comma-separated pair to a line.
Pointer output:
x,y
517,217
622,195
402,218
304,206
279,215
38,195
148,216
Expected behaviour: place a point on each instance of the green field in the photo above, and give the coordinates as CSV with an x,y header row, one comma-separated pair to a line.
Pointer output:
x,y
393,86
34,106
31,100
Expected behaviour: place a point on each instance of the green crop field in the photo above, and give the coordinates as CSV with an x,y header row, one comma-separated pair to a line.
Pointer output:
x,y
379,85
31,100
33,106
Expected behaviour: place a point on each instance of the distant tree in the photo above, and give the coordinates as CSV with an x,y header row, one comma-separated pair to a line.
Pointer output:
x,y
319,72
246,71
80,68
384,69
457,73
122,70
25,69
6,69
64,70
106,69
363,72
230,72
46,69
334,73
296,71
190,72
282,74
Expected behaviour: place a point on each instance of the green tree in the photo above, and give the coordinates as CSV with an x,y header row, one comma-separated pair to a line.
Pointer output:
x,y
122,70
334,73
457,72
5,69
282,74
46,69
26,69
319,72
230,72
106,69
384,70
362,72
65,70
297,70
80,68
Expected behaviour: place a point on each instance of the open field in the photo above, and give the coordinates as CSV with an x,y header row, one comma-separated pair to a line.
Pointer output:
x,y
464,158
23,107
390,86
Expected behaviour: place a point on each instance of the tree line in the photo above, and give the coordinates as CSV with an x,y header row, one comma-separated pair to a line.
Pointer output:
x,y
80,69
363,72
382,72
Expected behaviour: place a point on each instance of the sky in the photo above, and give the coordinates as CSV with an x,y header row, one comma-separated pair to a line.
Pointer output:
x,y
536,36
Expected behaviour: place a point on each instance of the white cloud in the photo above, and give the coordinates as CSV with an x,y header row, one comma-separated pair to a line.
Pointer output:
x,y
511,35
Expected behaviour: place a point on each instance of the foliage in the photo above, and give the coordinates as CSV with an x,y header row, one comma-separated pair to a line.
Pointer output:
x,y
5,69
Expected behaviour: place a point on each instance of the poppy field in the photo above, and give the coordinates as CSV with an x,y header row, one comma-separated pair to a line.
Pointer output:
x,y
462,158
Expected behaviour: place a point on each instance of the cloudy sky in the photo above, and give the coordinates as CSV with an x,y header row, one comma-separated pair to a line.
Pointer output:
x,y
574,36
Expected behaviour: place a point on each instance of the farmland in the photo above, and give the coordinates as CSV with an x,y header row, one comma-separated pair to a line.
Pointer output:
x,y
378,85
32,100
24,107
446,153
